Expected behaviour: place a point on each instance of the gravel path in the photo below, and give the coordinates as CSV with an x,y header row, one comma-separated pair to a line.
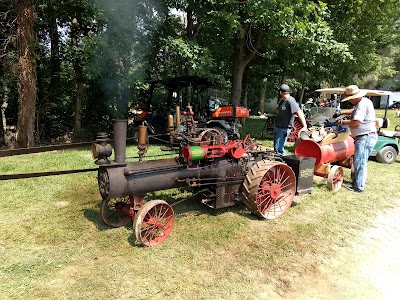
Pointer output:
x,y
368,268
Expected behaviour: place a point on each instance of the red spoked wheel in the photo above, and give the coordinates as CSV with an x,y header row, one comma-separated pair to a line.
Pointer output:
x,y
153,223
117,212
269,189
294,134
335,178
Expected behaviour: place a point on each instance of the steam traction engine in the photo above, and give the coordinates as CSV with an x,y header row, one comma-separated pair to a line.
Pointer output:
x,y
220,174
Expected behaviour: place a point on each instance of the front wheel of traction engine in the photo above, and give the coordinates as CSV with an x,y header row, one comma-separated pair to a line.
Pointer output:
x,y
153,223
115,212
269,189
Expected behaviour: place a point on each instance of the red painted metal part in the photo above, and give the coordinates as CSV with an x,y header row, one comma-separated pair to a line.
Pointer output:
x,y
211,136
153,223
234,148
294,134
327,153
269,189
117,212
231,111
276,191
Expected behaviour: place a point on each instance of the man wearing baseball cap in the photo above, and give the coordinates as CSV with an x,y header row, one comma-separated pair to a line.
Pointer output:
x,y
363,130
287,109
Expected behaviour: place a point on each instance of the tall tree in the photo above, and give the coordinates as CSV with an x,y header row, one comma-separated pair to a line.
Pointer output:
x,y
25,12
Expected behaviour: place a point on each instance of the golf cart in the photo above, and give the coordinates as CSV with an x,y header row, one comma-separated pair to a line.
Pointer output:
x,y
387,146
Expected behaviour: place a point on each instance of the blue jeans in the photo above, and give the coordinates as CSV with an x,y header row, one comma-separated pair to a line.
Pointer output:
x,y
363,148
280,137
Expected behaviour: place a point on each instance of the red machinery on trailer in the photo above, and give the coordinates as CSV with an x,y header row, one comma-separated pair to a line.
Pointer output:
x,y
333,152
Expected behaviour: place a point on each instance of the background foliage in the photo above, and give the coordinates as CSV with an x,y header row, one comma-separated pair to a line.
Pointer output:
x,y
94,56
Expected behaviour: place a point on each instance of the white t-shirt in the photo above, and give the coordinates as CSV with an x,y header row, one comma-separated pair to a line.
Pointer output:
x,y
365,113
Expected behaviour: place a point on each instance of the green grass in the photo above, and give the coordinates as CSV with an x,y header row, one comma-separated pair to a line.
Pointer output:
x,y
54,245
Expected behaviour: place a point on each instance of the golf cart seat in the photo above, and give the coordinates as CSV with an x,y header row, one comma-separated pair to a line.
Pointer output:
x,y
382,123
390,133
378,123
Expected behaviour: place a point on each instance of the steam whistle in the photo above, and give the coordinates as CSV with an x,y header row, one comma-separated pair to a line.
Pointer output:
x,y
142,141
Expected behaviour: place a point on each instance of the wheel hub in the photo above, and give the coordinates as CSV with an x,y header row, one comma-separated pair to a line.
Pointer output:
x,y
275,191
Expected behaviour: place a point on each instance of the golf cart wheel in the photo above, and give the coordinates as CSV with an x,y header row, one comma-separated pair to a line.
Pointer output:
x,y
116,212
387,155
269,189
153,223
335,178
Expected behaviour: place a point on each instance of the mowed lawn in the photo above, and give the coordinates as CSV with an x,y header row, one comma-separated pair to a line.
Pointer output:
x,y
54,245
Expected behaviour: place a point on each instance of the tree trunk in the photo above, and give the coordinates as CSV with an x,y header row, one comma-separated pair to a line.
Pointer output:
x,y
4,108
300,94
27,73
238,70
245,98
78,102
54,60
242,57
261,100
78,81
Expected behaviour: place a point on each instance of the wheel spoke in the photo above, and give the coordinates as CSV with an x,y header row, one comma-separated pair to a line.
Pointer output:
x,y
262,199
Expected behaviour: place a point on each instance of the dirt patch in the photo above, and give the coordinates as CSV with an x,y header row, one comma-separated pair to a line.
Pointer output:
x,y
368,268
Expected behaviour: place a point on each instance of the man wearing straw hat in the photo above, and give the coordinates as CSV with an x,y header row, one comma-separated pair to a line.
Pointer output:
x,y
363,130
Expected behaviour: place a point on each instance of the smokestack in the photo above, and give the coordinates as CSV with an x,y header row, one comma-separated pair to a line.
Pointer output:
x,y
120,128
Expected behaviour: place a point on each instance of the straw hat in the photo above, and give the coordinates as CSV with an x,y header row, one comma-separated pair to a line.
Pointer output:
x,y
353,92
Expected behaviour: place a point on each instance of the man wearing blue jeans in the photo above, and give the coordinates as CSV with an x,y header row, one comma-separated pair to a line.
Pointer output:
x,y
287,109
363,130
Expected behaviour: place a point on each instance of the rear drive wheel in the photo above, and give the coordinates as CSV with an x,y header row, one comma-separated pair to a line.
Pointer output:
x,y
387,155
269,189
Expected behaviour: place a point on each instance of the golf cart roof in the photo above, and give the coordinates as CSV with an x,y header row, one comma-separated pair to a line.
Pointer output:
x,y
336,90
339,90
